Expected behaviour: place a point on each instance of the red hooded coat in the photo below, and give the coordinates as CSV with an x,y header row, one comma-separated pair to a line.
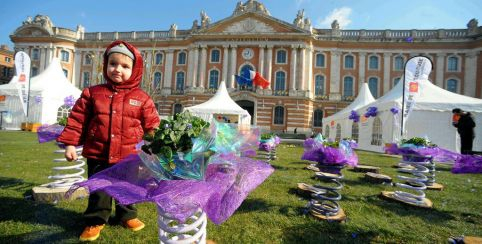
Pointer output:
x,y
110,119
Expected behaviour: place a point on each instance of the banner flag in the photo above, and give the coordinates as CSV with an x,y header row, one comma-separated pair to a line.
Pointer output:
x,y
417,70
243,81
22,67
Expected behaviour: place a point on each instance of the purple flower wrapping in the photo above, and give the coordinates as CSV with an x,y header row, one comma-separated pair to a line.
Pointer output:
x,y
438,154
224,189
46,133
468,164
330,155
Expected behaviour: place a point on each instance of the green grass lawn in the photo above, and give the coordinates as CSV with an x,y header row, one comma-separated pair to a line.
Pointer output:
x,y
273,213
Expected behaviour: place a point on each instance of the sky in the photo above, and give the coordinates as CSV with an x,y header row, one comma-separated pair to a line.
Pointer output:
x,y
147,15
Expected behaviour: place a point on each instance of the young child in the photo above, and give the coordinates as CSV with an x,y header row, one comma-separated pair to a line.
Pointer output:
x,y
109,120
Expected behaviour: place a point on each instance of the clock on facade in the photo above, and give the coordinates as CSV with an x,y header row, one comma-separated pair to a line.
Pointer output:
x,y
248,53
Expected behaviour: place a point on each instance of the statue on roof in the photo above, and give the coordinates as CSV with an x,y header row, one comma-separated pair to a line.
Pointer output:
x,y
299,18
205,20
335,25
28,20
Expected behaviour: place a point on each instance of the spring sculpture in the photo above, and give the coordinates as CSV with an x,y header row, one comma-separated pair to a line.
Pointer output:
x,y
173,232
67,180
325,203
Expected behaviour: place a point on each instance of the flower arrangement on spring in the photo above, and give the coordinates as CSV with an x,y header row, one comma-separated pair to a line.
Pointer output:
x,y
268,142
328,152
178,148
371,112
354,116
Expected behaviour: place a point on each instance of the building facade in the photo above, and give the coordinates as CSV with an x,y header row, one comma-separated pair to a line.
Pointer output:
x,y
6,64
313,72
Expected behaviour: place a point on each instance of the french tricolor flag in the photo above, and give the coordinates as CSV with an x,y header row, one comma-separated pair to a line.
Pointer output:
x,y
258,80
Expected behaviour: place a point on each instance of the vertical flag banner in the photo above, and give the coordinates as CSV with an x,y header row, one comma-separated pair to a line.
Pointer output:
x,y
22,66
417,70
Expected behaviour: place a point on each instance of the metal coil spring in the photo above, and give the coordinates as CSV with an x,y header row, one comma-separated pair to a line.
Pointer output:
x,y
193,231
415,183
67,180
326,202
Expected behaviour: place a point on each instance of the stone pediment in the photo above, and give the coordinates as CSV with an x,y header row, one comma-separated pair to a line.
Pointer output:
x,y
31,31
252,23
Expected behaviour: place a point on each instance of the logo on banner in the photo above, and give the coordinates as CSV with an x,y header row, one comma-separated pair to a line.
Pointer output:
x,y
364,120
413,87
22,66
332,123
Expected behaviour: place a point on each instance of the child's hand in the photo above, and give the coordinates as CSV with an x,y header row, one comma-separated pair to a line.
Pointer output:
x,y
70,153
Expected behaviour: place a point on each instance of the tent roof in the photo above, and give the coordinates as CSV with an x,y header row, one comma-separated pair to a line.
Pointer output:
x,y
364,97
220,103
431,97
53,81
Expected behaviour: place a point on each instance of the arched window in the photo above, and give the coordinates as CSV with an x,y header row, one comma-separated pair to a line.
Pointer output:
x,y
279,115
215,56
180,81
35,54
159,58
85,79
88,59
377,132
280,81
348,86
327,131
157,80
320,60
452,85
355,131
319,85
373,85
318,118
338,132
453,64
213,79
398,63
181,58
396,80
281,57
349,62
63,112
373,62
64,56
177,109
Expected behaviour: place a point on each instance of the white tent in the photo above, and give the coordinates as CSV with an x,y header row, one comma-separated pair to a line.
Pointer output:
x,y
340,119
47,93
220,103
431,117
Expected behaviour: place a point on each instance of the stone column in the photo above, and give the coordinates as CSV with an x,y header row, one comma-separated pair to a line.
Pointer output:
x,y
302,73
470,75
309,72
270,66
439,70
195,67
168,69
190,67
225,62
293,61
233,66
76,77
202,69
386,72
42,54
361,69
261,60
335,76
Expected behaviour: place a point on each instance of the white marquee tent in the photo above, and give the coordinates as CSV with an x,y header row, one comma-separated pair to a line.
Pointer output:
x,y
431,116
220,103
47,93
341,117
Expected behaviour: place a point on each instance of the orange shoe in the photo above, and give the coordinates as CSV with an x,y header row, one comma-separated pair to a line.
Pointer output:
x,y
134,224
91,233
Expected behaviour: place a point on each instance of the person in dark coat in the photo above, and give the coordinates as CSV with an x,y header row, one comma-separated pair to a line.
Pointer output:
x,y
465,125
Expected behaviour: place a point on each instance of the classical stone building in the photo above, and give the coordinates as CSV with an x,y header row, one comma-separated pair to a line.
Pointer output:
x,y
313,72
6,64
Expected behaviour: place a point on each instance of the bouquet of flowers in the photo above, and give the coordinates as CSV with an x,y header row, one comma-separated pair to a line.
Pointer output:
x,y
46,133
179,148
268,142
327,152
418,149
